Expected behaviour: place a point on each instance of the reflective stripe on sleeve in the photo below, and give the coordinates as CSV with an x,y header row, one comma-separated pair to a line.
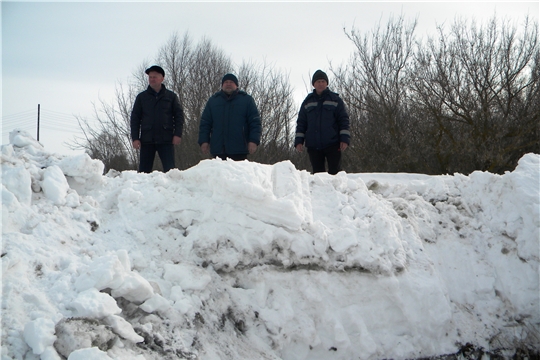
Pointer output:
x,y
311,104
328,102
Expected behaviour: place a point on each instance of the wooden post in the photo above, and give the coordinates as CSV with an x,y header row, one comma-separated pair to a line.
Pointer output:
x,y
37,122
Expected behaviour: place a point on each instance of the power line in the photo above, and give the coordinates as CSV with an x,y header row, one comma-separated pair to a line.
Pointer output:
x,y
19,113
58,112
31,114
43,119
70,124
22,117
20,121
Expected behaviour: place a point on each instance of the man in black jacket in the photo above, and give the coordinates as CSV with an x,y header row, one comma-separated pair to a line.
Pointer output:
x,y
323,126
230,123
157,120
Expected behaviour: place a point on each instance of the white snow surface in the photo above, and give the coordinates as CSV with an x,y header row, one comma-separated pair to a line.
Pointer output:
x,y
239,260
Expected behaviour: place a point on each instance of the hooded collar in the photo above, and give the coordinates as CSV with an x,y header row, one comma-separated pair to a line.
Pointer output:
x,y
229,96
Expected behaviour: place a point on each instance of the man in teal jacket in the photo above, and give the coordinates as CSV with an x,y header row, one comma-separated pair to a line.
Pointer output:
x,y
230,123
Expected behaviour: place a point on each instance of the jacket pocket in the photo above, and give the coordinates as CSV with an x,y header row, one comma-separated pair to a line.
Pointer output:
x,y
329,107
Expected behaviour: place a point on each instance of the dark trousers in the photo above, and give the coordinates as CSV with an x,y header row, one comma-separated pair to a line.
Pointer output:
x,y
235,157
331,154
148,153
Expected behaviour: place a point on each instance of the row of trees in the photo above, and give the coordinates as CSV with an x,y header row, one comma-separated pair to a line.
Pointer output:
x,y
467,99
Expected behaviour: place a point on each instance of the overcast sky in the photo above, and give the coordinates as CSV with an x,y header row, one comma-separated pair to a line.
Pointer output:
x,y
66,56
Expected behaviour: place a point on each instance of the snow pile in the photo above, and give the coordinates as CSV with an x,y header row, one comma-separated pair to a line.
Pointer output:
x,y
230,260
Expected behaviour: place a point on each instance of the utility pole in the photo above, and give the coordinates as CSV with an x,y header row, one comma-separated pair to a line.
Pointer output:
x,y
37,122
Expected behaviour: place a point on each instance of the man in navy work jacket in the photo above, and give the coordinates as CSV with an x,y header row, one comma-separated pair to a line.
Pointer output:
x,y
230,123
157,120
323,126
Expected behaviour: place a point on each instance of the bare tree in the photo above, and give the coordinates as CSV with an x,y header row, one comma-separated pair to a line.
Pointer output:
x,y
273,95
374,86
479,86
108,148
467,100
107,137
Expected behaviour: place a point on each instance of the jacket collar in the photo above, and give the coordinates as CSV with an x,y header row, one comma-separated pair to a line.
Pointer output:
x,y
233,95
324,93
229,96
153,92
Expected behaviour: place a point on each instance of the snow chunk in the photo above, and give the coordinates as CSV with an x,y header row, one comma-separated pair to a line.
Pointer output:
x,y
17,180
39,334
21,138
83,172
524,181
94,304
156,303
89,354
54,185
123,328
292,187
50,354
135,288
272,194
105,272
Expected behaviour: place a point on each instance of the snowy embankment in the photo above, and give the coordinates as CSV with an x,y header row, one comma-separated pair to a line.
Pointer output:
x,y
238,260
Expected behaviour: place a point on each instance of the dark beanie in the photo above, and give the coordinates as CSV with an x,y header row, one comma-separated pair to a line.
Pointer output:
x,y
156,68
230,77
319,75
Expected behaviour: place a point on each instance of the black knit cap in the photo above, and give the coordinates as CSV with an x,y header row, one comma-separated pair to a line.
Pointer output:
x,y
319,75
155,68
230,77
